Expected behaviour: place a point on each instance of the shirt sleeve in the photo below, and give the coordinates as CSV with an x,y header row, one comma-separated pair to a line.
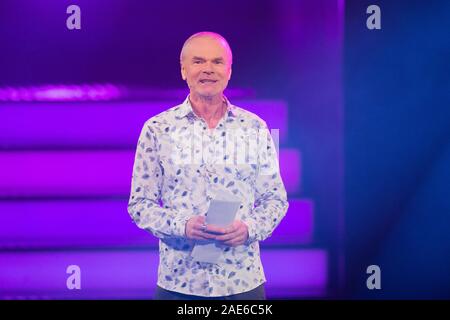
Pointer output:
x,y
270,194
146,186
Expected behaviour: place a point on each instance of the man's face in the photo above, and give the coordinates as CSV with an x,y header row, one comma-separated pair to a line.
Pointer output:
x,y
206,66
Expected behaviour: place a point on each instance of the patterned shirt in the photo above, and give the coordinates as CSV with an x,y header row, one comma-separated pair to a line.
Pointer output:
x,y
180,166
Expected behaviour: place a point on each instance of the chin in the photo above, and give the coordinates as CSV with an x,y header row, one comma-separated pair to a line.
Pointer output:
x,y
208,94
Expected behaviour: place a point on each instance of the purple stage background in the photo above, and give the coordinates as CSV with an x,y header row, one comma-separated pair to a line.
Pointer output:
x,y
72,105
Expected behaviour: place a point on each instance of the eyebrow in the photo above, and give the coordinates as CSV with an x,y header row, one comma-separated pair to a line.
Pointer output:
x,y
203,59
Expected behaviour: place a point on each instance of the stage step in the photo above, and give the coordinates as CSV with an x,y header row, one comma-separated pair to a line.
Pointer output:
x,y
93,223
91,173
126,274
54,125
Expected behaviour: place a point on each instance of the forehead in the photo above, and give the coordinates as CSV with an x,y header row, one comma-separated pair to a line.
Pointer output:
x,y
206,47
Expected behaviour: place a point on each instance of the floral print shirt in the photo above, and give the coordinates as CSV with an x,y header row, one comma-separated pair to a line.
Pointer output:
x,y
180,165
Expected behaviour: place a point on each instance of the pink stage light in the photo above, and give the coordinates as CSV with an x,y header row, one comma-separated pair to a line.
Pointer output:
x,y
85,92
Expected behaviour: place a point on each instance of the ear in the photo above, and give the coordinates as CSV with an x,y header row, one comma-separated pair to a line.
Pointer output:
x,y
183,72
229,74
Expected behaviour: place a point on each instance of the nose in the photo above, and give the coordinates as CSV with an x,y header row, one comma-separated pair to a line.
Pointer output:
x,y
208,68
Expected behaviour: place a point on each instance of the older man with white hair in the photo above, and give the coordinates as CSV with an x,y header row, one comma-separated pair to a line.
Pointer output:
x,y
184,160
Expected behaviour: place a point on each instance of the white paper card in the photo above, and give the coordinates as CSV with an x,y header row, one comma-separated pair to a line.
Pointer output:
x,y
222,212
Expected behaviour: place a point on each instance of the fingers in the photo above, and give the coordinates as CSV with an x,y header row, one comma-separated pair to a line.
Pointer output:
x,y
202,230
232,235
197,229
215,229
200,235
236,241
232,231
229,236
194,228
233,227
236,237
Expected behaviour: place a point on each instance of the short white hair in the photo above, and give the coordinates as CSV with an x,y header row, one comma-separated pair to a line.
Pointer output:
x,y
207,34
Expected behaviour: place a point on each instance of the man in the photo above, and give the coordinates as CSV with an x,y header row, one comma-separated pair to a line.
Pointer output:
x,y
183,161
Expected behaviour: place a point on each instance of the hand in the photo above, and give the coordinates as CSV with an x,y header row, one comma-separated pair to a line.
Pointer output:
x,y
233,235
194,229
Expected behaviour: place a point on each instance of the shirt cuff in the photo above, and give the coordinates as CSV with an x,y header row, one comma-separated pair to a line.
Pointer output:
x,y
179,225
251,227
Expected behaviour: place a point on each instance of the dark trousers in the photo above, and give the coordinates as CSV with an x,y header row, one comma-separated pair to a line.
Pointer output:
x,y
259,293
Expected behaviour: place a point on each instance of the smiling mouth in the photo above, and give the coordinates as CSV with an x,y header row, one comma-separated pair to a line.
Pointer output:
x,y
207,81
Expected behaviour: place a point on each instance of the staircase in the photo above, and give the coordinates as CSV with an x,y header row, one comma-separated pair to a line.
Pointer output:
x,y
65,174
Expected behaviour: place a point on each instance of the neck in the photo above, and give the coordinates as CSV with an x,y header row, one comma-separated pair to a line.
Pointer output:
x,y
211,109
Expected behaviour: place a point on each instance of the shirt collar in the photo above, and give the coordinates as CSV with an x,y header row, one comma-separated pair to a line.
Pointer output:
x,y
185,109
